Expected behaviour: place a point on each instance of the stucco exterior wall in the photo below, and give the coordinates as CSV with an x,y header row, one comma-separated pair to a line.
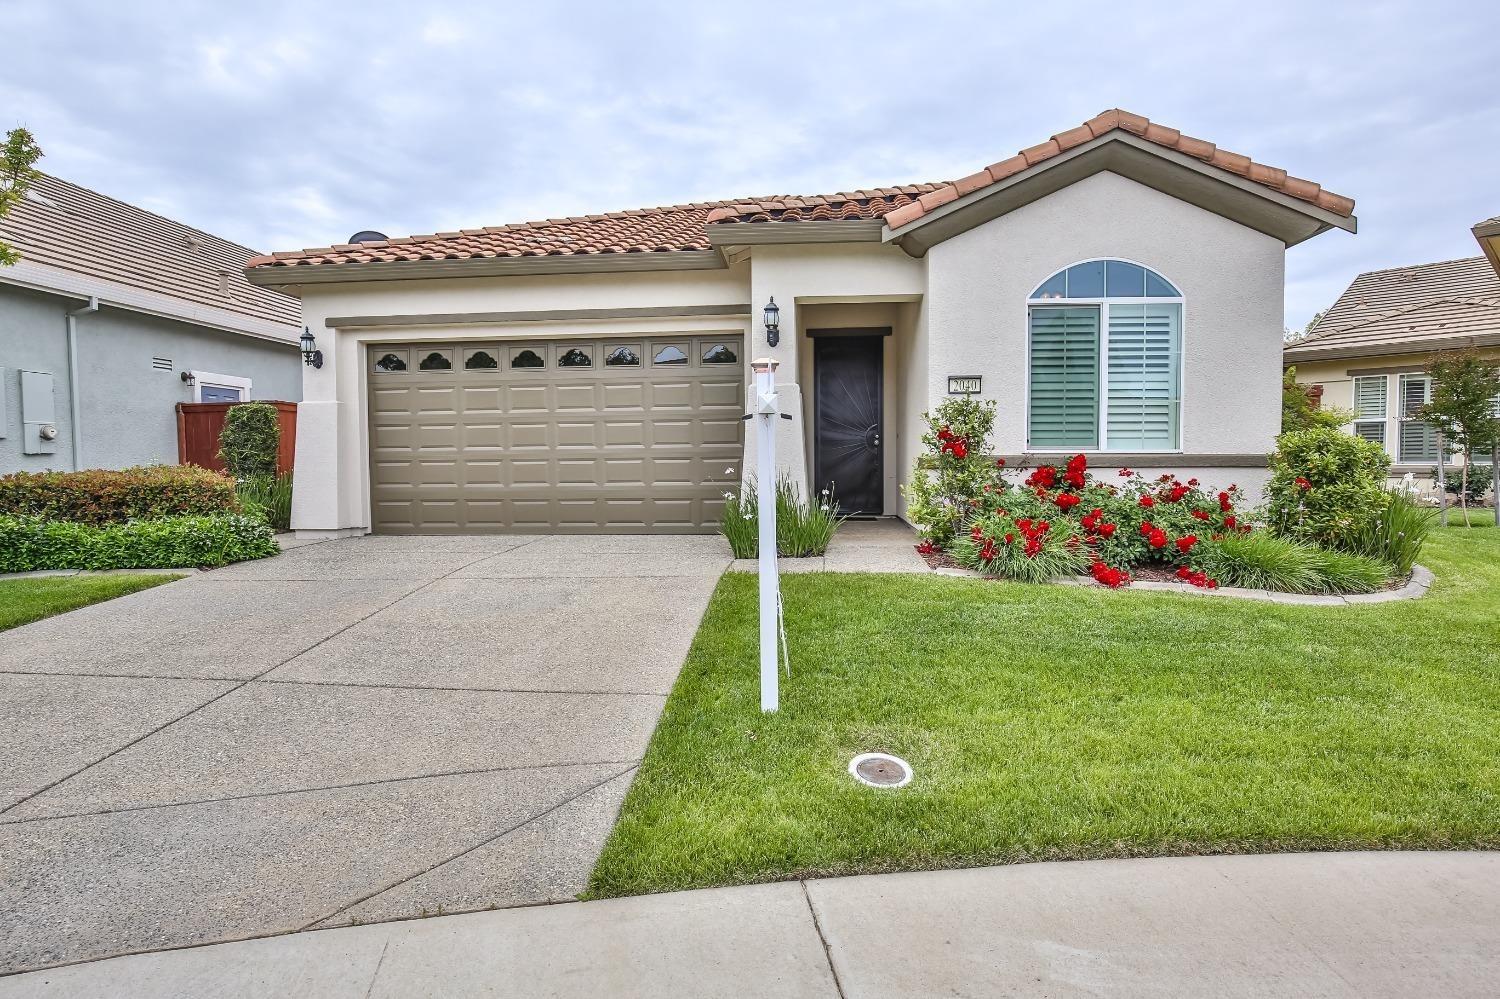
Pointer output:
x,y
1231,277
127,406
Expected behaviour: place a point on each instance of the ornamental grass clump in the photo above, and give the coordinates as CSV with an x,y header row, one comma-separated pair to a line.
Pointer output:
x,y
1263,561
1395,536
804,528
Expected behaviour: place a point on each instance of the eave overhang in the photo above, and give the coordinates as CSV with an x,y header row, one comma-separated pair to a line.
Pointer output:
x,y
289,278
1184,177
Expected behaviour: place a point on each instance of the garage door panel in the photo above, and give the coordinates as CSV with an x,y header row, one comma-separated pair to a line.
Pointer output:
x,y
530,436
671,395
573,435
630,395
527,399
603,448
725,394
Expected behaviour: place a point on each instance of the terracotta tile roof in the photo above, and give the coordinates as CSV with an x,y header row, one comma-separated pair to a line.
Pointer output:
x,y
62,225
1237,163
683,228
668,229
872,204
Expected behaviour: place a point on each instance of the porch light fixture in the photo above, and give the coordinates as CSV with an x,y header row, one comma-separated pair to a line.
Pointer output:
x,y
311,355
772,321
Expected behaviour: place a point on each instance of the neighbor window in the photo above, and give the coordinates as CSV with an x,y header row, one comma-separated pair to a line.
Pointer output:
x,y
1369,408
1105,359
1416,441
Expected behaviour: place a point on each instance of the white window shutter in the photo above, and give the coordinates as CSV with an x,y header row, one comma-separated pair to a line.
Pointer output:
x,y
1064,409
1145,347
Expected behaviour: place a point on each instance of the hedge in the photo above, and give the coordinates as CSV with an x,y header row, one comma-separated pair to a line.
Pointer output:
x,y
250,439
31,543
102,496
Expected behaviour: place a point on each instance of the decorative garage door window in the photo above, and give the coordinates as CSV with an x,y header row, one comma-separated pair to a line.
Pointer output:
x,y
480,359
1105,359
574,357
436,360
389,362
526,358
623,357
720,353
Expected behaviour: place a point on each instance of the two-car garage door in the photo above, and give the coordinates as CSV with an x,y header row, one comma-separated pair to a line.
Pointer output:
x,y
609,435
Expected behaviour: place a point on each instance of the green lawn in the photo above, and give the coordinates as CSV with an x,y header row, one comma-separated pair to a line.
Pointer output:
x,y
1062,722
25,600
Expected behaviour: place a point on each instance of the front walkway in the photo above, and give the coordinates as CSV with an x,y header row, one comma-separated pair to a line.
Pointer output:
x,y
1290,925
352,731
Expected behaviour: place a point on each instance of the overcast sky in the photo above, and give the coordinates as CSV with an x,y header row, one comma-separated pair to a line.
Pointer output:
x,y
284,125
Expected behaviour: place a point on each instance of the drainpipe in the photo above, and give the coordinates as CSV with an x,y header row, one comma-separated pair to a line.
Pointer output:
x,y
73,394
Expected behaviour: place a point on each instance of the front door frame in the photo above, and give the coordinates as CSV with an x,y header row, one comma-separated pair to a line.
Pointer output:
x,y
872,332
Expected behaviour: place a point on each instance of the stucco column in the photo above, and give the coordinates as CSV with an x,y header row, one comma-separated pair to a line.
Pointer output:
x,y
322,445
791,454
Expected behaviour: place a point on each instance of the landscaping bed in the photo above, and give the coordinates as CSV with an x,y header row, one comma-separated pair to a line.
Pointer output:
x,y
1068,722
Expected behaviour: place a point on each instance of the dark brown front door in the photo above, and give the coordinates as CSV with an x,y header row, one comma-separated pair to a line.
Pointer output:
x,y
849,414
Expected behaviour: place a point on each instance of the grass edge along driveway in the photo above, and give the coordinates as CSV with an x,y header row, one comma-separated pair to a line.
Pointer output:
x,y
32,598
1048,722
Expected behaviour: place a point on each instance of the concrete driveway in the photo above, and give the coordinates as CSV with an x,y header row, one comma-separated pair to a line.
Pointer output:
x,y
353,731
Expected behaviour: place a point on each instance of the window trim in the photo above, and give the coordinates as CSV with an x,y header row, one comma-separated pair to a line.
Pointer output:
x,y
1101,437
215,380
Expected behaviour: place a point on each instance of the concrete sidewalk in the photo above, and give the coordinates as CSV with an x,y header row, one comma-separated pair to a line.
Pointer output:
x,y
1351,924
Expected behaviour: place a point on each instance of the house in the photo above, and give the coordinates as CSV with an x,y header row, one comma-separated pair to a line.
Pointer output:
x,y
1116,289
114,315
1368,354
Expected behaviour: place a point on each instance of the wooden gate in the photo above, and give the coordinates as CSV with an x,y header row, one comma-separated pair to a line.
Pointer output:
x,y
199,423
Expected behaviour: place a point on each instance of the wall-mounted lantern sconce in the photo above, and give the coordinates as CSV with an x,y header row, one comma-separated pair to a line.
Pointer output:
x,y
311,355
187,378
772,320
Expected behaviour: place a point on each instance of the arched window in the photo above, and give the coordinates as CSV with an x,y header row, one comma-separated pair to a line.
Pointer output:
x,y
1105,359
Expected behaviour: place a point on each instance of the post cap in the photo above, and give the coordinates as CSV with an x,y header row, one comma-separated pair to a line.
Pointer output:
x,y
764,364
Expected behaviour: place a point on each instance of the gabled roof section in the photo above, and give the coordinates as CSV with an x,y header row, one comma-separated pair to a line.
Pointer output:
x,y
79,242
1184,167
686,236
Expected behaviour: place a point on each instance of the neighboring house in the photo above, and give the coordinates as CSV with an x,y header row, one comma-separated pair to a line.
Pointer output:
x,y
1117,290
114,315
1369,352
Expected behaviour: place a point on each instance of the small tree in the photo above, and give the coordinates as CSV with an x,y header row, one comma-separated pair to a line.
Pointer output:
x,y
17,174
1464,387
1298,412
249,440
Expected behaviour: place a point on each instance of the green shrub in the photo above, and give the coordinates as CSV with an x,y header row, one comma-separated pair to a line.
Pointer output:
x,y
268,497
1479,482
953,470
250,439
803,528
1263,561
1325,485
1396,534
104,496
32,543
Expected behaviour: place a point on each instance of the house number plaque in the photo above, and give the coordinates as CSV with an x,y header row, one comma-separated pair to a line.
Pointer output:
x,y
963,384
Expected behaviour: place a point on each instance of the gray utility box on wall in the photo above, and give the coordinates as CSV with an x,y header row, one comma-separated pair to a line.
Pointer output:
x,y
38,416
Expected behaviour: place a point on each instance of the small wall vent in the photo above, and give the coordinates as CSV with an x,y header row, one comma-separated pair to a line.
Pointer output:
x,y
161,363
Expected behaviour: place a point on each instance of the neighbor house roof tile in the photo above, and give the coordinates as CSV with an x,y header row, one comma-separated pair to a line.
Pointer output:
x,y
71,228
1400,306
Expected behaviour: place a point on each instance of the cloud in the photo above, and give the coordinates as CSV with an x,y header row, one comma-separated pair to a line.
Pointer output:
x,y
283,125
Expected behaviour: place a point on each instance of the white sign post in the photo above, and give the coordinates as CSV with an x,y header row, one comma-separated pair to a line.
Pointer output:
x,y
765,486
